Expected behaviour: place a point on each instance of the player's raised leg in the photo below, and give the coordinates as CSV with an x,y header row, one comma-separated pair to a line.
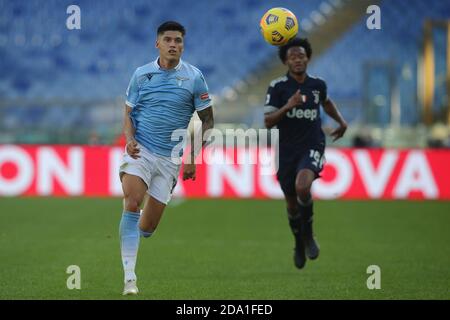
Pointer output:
x,y
295,223
134,190
303,183
151,215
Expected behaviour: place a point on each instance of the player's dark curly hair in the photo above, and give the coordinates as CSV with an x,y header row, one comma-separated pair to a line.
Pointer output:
x,y
171,26
296,42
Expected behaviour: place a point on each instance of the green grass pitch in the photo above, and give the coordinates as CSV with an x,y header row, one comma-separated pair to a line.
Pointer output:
x,y
225,249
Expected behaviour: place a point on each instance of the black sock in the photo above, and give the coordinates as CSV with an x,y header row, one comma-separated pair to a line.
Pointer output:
x,y
306,209
306,212
295,222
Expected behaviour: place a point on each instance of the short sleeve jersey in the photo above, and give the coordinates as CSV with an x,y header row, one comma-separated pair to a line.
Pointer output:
x,y
301,128
163,102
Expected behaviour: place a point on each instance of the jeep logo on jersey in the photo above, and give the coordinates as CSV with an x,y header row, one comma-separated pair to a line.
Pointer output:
x,y
310,114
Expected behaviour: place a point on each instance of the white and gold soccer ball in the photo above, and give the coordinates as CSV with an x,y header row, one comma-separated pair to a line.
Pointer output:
x,y
278,26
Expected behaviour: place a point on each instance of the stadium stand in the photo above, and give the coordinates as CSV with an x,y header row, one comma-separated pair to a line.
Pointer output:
x,y
44,60
72,78
49,73
394,52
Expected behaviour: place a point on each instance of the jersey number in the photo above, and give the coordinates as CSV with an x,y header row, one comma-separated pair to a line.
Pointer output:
x,y
317,158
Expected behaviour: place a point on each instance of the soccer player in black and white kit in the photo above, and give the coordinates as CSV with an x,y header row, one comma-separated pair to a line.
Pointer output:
x,y
293,105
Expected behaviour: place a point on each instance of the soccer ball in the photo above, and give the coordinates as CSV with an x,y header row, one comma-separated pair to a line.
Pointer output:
x,y
278,26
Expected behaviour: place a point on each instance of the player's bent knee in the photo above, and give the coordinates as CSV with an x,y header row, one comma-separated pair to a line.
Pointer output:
x,y
132,204
303,191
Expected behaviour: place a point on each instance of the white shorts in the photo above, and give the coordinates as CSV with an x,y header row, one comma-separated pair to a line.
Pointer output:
x,y
159,173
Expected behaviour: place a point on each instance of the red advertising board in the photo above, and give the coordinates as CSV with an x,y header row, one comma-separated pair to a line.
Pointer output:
x,y
348,174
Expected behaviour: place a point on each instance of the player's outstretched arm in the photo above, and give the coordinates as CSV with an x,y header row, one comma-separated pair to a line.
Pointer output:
x,y
207,118
271,119
129,131
331,109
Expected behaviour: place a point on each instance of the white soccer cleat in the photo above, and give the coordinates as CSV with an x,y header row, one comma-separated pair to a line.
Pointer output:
x,y
130,288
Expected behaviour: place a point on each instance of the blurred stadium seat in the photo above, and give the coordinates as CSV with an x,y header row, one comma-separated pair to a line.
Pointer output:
x,y
398,46
118,36
41,60
52,78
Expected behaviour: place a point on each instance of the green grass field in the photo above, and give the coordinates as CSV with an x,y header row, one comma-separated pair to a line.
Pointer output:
x,y
225,249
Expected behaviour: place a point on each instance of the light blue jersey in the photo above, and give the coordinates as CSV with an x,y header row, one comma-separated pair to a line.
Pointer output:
x,y
164,101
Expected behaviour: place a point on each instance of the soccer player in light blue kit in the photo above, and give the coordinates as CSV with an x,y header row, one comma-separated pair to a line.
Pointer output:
x,y
161,98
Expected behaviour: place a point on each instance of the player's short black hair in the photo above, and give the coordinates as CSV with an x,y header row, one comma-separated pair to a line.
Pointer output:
x,y
171,26
296,42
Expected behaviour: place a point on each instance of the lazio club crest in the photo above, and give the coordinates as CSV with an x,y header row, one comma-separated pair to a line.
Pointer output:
x,y
180,80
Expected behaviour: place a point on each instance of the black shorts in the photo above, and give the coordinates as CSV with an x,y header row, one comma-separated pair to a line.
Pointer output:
x,y
289,166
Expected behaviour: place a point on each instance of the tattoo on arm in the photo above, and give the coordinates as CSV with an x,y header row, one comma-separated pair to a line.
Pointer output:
x,y
207,118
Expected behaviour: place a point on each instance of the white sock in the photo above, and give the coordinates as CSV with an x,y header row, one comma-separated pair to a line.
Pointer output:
x,y
129,243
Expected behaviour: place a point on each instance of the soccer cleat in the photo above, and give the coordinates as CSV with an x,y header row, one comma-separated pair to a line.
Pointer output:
x,y
299,250
130,288
299,255
311,246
